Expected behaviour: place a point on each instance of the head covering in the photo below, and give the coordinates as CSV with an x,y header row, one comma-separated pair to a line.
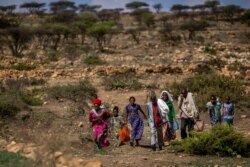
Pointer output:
x,y
168,94
97,101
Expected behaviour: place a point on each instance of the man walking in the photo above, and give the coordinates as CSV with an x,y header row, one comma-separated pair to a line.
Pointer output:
x,y
156,113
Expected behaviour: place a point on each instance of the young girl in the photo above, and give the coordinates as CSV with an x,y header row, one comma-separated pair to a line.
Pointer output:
x,y
228,111
119,127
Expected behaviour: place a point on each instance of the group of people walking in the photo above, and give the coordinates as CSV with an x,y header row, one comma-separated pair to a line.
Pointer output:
x,y
161,118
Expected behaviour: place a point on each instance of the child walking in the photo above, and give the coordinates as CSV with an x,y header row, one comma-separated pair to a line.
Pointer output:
x,y
119,128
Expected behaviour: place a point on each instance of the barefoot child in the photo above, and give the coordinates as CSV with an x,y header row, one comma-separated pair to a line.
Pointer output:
x,y
118,127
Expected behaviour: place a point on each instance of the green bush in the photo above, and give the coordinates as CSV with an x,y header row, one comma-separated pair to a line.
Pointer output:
x,y
93,60
8,159
8,109
122,81
78,93
23,67
210,50
23,82
13,98
205,85
216,62
29,98
246,18
53,56
174,38
221,140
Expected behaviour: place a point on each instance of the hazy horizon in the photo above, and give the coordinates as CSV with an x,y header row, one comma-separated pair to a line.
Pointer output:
x,y
121,3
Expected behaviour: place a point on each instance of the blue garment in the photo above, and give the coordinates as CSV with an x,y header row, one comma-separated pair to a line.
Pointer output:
x,y
136,121
228,113
214,112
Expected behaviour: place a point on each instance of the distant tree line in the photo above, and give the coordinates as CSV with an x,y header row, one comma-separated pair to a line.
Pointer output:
x,y
68,23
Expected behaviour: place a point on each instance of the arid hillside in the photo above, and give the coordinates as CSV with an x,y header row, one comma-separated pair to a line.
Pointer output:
x,y
52,65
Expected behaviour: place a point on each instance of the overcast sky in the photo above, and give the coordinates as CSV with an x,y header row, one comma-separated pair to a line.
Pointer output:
x,y
121,3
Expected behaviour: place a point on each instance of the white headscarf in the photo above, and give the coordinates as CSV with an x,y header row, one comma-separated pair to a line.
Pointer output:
x,y
168,94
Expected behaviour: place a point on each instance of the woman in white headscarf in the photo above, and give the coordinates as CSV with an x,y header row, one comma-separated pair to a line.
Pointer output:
x,y
169,130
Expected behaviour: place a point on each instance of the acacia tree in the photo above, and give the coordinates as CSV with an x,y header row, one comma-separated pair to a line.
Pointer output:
x,y
230,11
245,18
89,8
87,19
56,32
179,8
148,19
213,6
135,33
136,5
99,32
109,14
16,39
60,6
7,9
33,7
192,26
157,7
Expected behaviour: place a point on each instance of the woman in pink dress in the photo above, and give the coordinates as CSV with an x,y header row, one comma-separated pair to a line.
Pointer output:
x,y
99,117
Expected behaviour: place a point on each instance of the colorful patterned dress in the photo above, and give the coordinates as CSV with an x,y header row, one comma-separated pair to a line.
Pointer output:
x,y
136,121
100,127
214,112
228,113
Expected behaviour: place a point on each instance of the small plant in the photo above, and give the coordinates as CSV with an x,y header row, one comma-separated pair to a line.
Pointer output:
x,y
53,56
122,81
174,38
8,109
29,98
210,50
221,140
9,159
216,62
23,67
93,60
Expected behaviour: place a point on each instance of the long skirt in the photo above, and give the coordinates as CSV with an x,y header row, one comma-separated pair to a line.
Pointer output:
x,y
137,127
100,135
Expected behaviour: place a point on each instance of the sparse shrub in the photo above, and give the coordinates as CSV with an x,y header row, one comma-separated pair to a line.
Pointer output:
x,y
9,159
221,140
246,18
203,68
23,67
174,38
14,98
122,81
77,93
210,50
93,60
53,56
16,84
205,85
29,98
8,109
192,26
216,62
135,33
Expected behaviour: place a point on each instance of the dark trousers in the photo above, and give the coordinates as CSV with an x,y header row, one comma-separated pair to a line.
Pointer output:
x,y
159,136
186,123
